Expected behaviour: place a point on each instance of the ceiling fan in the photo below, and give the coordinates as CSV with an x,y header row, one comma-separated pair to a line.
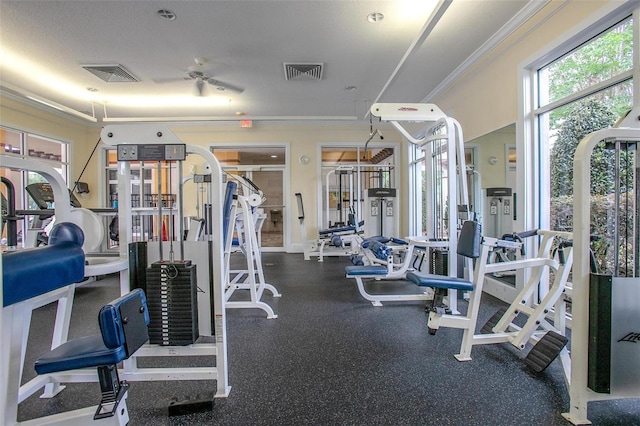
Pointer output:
x,y
199,74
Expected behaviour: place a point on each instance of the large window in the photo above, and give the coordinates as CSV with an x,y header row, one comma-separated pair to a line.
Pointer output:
x,y
417,207
420,201
38,148
585,89
145,195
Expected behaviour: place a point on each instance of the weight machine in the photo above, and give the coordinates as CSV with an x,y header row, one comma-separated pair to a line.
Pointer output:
x,y
157,142
381,215
342,241
340,174
604,361
447,197
245,220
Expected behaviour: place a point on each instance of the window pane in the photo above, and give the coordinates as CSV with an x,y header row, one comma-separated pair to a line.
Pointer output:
x,y
601,58
567,126
10,141
423,198
45,148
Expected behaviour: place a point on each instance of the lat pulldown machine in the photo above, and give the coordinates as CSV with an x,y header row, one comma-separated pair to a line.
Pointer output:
x,y
447,204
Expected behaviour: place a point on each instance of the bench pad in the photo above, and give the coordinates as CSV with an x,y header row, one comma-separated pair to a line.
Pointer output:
x,y
84,352
123,326
440,281
377,270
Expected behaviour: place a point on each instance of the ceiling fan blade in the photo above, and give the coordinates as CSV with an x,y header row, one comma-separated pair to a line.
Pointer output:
x,y
199,87
222,86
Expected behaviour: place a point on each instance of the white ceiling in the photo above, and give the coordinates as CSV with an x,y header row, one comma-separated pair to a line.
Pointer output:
x,y
403,58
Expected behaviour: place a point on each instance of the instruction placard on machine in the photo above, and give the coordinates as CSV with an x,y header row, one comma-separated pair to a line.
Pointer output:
x,y
151,152
374,207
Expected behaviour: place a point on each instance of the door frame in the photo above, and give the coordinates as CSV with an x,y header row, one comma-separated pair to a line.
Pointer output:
x,y
286,182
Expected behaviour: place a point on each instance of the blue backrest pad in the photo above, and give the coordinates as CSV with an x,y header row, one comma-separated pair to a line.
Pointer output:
x,y
31,272
230,191
124,321
470,239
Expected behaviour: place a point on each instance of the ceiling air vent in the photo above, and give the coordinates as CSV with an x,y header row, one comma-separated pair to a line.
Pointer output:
x,y
111,73
303,72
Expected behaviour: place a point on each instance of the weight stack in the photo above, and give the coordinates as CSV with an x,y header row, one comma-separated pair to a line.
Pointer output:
x,y
138,266
439,261
172,301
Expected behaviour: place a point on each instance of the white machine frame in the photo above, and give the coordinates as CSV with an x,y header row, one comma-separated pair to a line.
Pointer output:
x,y
536,324
351,238
580,395
15,322
440,127
243,222
153,133
349,171
393,271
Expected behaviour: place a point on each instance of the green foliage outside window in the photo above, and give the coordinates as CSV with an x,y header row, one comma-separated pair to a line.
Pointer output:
x,y
599,60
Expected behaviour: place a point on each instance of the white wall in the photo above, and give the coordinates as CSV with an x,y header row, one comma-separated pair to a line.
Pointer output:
x,y
485,98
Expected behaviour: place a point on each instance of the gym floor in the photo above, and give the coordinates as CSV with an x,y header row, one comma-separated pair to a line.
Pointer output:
x,y
331,358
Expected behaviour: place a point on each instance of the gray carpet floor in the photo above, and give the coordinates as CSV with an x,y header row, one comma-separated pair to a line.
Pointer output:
x,y
331,358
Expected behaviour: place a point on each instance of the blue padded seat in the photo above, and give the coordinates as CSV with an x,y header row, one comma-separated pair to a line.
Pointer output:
x,y
469,243
350,228
31,272
84,352
353,270
114,344
439,281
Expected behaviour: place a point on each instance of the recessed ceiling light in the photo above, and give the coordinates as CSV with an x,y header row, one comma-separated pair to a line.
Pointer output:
x,y
167,15
274,156
375,17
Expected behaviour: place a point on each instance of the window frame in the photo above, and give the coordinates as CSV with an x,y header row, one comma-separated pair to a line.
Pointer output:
x,y
530,164
62,165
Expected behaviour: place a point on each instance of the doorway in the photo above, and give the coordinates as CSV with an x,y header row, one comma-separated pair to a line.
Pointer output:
x,y
265,167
